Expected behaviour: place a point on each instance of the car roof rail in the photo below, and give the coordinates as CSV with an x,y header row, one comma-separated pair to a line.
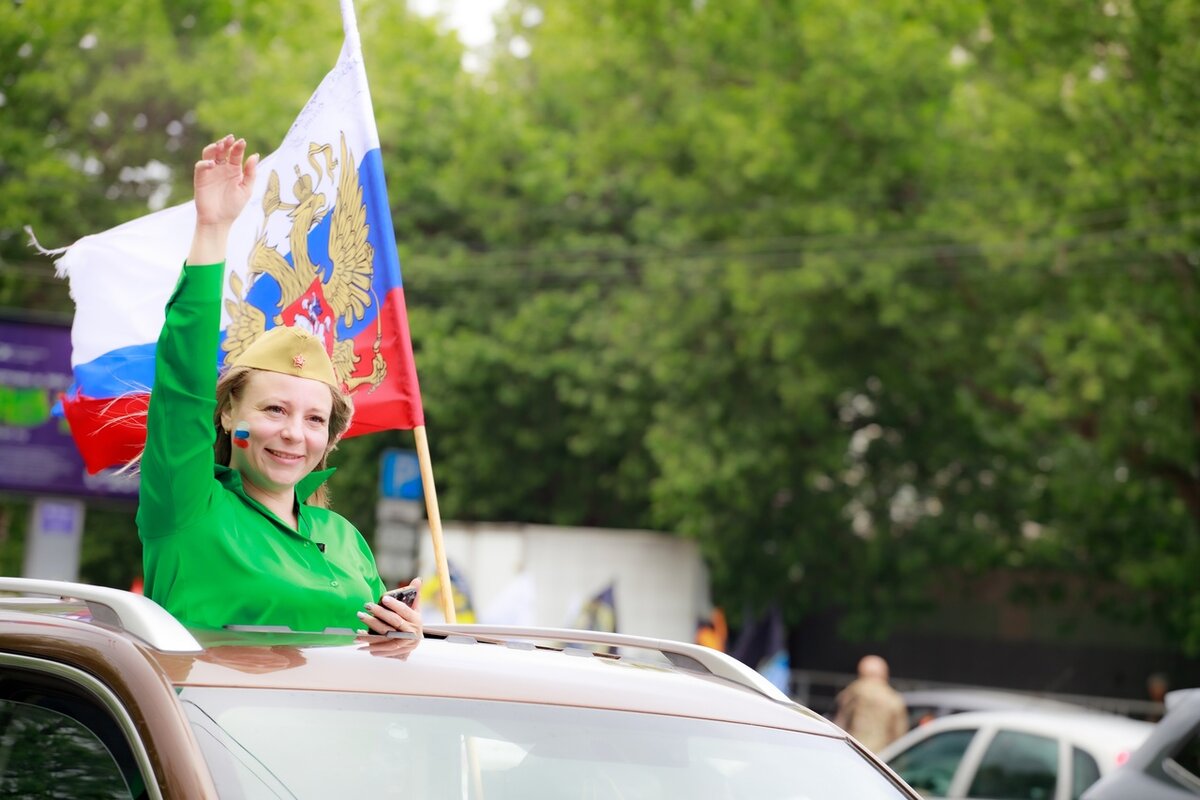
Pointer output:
x,y
694,657
132,613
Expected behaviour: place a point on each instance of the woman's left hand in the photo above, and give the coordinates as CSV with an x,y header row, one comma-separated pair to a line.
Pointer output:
x,y
223,181
391,615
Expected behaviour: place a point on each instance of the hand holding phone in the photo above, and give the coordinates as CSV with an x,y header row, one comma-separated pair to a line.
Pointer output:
x,y
384,619
405,594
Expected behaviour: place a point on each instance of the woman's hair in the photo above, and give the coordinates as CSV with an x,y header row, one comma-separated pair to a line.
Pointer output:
x,y
229,388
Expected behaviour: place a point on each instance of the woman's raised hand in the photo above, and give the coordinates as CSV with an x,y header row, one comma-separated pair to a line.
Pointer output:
x,y
224,179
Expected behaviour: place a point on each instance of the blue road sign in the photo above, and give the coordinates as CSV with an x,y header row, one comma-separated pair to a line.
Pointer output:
x,y
400,475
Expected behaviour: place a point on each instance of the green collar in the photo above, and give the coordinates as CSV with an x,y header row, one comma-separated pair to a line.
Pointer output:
x,y
312,481
304,489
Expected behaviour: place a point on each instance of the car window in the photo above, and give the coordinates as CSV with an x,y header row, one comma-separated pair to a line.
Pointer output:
x,y
921,714
267,744
44,753
1017,766
58,739
929,765
1084,772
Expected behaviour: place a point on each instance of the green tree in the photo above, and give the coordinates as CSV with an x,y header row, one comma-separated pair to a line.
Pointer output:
x,y
911,286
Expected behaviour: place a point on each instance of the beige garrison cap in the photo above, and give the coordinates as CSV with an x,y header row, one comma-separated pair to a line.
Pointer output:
x,y
291,351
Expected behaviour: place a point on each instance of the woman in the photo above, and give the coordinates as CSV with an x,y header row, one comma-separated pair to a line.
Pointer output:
x,y
230,517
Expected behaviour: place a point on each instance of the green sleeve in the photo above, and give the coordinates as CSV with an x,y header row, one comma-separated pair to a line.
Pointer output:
x,y
177,482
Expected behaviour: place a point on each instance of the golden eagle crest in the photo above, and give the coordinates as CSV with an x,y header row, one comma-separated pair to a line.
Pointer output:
x,y
306,298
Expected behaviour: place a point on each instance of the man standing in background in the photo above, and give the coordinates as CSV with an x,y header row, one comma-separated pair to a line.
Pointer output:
x,y
869,709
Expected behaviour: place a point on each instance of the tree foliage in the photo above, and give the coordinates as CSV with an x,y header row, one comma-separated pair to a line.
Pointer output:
x,y
858,295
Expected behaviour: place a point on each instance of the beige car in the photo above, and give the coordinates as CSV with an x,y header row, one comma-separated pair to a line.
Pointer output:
x,y
105,695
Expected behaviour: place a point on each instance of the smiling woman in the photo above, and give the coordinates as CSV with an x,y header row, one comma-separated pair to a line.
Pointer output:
x,y
232,511
276,426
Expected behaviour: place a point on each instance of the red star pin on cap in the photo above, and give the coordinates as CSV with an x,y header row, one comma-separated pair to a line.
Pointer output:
x,y
298,361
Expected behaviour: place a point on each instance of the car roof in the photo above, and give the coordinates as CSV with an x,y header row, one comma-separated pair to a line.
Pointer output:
x,y
982,699
521,665
1180,697
1041,719
460,665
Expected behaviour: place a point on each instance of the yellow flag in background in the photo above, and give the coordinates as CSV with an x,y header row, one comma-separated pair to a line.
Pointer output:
x,y
431,598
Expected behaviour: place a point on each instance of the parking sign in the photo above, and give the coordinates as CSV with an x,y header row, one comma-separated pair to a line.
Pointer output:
x,y
400,475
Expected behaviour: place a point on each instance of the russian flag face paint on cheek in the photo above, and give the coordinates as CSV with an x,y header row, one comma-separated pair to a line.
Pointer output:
x,y
241,435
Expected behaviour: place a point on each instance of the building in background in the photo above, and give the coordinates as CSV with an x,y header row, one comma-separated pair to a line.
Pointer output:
x,y
544,575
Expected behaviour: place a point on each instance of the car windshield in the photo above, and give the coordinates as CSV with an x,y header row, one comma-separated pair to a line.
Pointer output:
x,y
274,743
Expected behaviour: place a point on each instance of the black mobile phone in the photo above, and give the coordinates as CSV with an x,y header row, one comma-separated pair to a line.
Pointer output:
x,y
405,595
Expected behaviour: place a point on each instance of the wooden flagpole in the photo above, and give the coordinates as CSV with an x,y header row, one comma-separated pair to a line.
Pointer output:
x,y
350,28
435,524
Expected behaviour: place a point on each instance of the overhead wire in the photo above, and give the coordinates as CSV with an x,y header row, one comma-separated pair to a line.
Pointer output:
x,y
818,241
944,248
918,250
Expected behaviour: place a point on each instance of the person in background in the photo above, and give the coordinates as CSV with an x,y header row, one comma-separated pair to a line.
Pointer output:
x,y
232,512
1157,686
869,709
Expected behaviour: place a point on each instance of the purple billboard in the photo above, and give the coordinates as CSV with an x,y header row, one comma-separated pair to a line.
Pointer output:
x,y
37,454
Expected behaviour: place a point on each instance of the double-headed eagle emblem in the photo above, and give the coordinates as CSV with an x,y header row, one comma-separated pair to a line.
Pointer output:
x,y
314,296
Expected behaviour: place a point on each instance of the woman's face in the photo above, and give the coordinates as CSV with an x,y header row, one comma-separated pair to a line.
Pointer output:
x,y
280,429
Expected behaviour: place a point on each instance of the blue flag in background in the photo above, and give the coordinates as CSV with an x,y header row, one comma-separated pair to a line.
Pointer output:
x,y
762,644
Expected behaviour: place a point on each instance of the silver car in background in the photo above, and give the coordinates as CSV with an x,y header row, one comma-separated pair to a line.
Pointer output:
x,y
1015,755
1167,765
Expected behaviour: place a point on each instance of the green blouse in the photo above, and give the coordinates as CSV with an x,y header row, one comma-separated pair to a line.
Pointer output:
x,y
212,555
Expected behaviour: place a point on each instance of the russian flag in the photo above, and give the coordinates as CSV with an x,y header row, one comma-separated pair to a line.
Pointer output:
x,y
314,247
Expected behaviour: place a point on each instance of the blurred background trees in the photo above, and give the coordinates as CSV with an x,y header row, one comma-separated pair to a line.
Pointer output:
x,y
865,297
